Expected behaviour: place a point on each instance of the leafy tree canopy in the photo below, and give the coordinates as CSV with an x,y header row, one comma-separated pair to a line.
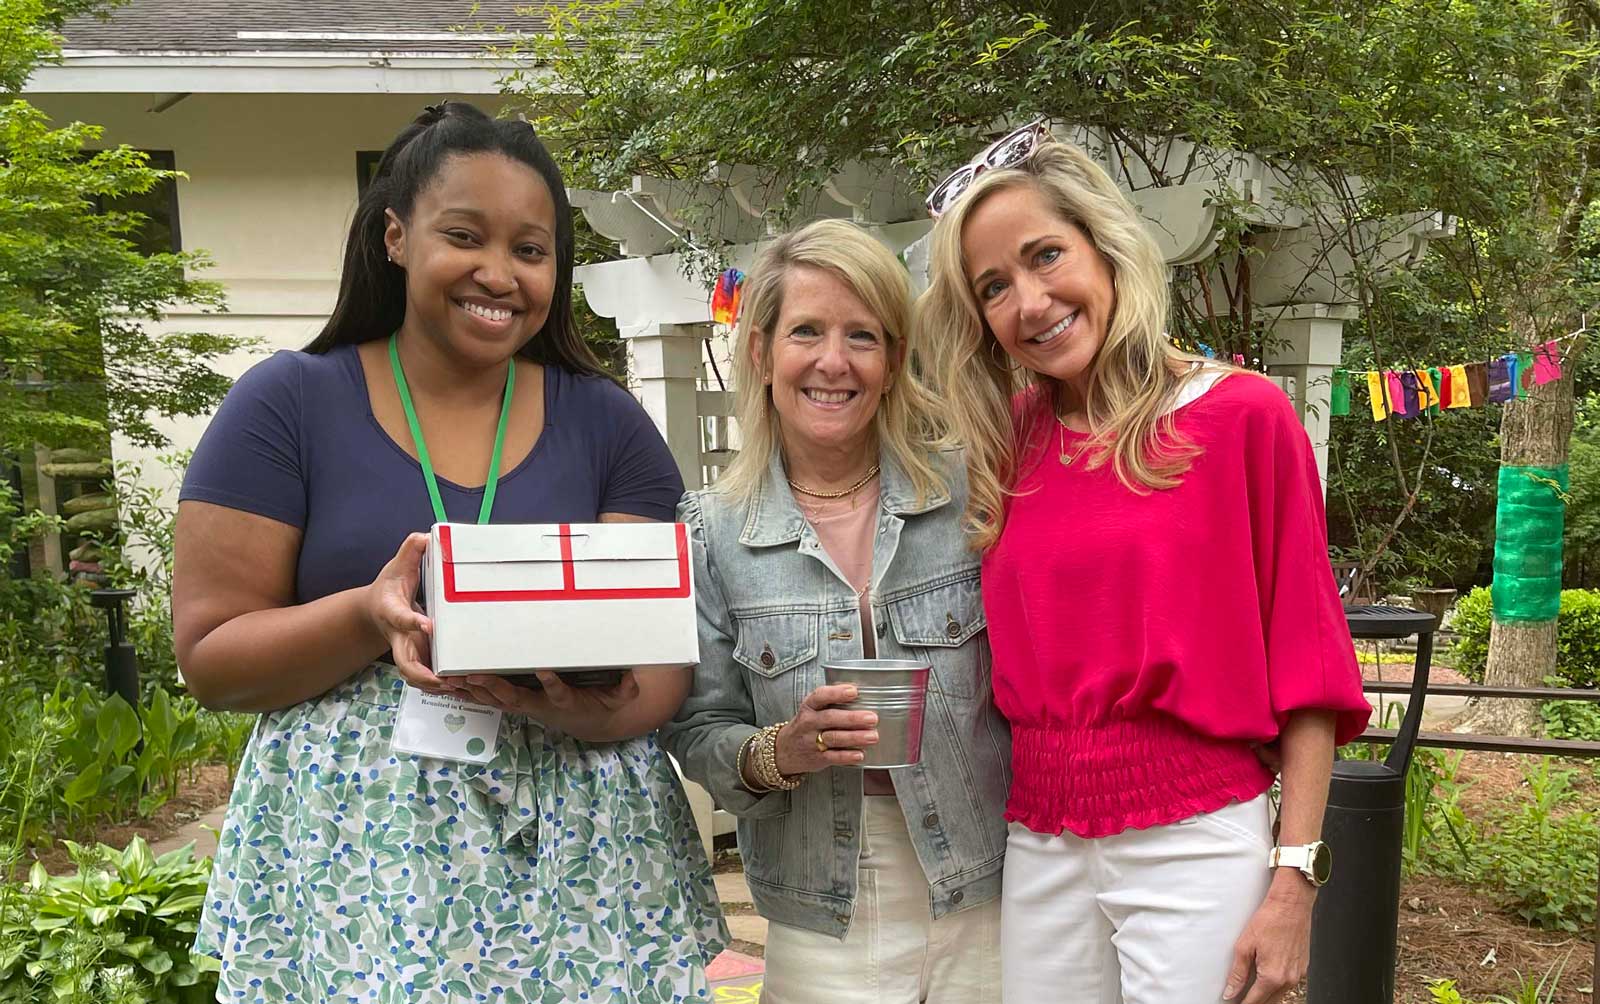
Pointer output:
x,y
80,354
1378,107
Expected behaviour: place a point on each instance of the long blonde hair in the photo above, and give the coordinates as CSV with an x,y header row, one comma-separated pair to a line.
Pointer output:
x,y
904,422
1133,380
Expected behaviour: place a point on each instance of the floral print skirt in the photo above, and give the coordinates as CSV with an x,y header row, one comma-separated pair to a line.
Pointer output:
x,y
560,871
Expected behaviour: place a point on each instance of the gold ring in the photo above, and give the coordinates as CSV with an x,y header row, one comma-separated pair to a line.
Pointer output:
x,y
822,744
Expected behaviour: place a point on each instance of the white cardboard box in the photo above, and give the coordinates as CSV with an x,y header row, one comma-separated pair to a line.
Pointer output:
x,y
514,598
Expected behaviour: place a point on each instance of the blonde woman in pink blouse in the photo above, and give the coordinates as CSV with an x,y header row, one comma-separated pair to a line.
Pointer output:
x,y
1159,598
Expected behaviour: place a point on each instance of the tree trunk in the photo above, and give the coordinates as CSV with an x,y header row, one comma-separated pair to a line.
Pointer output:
x,y
1534,431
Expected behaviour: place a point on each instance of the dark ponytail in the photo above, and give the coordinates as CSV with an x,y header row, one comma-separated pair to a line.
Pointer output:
x,y
372,290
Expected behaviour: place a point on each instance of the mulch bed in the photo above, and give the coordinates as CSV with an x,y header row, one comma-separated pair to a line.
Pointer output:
x,y
1449,931
209,788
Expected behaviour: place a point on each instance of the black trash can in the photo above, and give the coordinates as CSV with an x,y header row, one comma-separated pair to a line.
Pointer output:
x,y
1355,922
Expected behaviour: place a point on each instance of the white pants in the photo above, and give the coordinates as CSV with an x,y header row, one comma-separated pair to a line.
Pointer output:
x,y
895,952
1142,917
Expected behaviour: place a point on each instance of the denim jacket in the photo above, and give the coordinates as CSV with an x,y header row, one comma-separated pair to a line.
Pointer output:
x,y
773,607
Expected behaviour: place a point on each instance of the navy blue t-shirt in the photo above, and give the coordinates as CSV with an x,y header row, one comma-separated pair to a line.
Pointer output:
x,y
296,441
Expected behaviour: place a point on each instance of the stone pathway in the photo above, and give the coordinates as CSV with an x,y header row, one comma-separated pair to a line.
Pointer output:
x,y
735,976
198,833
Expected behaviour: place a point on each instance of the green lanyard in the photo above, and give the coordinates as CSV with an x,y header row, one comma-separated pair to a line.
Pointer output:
x,y
422,448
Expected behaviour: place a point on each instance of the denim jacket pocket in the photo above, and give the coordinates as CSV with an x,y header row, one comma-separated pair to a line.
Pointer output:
x,y
770,645
940,621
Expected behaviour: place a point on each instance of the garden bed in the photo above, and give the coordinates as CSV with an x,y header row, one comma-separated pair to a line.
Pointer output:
x,y
209,789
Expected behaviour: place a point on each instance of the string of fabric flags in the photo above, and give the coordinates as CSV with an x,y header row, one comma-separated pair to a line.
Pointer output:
x,y
1409,393
725,296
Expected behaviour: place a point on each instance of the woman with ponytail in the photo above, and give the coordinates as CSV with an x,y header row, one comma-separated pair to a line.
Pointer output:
x,y
567,866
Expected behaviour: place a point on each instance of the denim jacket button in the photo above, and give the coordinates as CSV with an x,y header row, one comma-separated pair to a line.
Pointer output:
x,y
767,658
957,896
930,820
843,918
953,628
883,629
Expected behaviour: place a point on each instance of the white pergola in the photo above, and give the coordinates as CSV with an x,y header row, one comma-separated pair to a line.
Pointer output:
x,y
1304,281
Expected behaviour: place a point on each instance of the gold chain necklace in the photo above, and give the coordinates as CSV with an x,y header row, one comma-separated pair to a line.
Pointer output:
x,y
802,489
1065,458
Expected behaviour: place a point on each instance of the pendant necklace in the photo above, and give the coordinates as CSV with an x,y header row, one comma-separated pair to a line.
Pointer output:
x,y
1066,458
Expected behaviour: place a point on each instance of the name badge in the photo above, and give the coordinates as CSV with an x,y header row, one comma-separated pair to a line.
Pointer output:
x,y
445,728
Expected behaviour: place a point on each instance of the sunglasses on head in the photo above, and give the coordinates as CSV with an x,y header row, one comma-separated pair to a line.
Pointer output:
x,y
1007,151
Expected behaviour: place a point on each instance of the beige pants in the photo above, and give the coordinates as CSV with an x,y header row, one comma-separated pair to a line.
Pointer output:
x,y
895,952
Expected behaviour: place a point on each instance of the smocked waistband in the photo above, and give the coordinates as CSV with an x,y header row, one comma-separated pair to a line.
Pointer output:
x,y
1098,780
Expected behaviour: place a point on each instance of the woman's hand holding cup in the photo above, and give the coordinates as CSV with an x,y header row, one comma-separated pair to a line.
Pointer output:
x,y
822,735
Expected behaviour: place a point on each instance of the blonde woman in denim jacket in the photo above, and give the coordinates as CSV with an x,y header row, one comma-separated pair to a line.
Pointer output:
x,y
836,535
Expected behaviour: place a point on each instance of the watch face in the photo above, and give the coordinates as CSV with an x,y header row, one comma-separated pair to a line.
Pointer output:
x,y
1321,862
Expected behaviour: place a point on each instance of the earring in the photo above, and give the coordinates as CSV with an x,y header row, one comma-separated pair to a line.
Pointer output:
x,y
1007,363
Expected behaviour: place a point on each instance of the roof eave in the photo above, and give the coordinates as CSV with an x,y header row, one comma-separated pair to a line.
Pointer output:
x,y
109,71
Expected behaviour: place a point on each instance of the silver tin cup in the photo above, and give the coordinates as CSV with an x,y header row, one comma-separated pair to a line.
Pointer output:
x,y
897,689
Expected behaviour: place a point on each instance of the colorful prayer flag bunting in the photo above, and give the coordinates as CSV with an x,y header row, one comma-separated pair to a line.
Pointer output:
x,y
1408,393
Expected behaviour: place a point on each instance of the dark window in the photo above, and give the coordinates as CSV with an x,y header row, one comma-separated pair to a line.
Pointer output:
x,y
159,232
366,168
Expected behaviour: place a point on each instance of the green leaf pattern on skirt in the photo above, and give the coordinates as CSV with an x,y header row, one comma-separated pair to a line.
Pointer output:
x,y
560,871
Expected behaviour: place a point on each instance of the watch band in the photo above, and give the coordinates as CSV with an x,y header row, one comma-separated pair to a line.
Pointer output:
x,y
1298,857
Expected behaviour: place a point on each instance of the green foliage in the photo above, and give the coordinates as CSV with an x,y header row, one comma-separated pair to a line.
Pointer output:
x,y
1579,720
1473,615
1445,992
1542,862
1538,859
138,556
672,87
1581,551
1392,92
79,356
119,928
92,758
1528,990
76,306
106,773
29,28
1577,636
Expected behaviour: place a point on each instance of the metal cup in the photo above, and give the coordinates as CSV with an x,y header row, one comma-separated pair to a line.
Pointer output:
x,y
897,689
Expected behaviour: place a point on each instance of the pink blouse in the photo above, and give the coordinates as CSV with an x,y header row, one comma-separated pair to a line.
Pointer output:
x,y
1144,642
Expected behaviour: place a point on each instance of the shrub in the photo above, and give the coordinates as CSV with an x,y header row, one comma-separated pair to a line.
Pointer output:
x,y
1471,625
1577,636
120,928
1579,720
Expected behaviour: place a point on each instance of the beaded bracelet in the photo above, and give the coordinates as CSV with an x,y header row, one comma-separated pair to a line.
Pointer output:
x,y
747,755
766,763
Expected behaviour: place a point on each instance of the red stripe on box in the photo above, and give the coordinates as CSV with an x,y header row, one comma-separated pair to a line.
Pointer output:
x,y
569,571
569,590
